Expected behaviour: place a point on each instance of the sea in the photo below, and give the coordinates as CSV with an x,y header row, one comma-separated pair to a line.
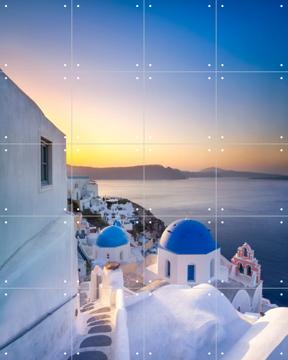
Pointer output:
x,y
236,210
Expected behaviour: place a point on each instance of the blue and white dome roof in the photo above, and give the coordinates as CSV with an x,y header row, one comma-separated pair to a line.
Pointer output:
x,y
112,236
187,237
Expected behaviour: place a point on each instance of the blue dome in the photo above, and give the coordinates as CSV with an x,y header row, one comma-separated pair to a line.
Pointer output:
x,y
187,237
112,236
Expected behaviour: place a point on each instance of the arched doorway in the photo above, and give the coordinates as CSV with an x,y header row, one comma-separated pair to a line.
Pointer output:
x,y
242,301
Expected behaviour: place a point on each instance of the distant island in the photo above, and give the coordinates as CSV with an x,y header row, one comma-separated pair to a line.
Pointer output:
x,y
160,172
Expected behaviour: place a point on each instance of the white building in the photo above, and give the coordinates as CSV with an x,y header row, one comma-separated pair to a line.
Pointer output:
x,y
80,186
176,322
92,188
38,263
112,244
82,190
75,187
188,255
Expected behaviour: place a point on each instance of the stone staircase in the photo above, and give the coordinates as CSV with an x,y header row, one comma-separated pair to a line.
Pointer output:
x,y
96,344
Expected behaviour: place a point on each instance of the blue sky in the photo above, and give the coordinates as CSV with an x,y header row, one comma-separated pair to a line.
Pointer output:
x,y
180,35
180,38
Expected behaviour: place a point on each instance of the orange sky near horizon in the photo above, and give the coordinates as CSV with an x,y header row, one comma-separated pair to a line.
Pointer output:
x,y
184,157
102,135
100,102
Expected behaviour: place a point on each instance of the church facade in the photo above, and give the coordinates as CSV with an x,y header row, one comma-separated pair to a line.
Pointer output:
x,y
188,254
112,244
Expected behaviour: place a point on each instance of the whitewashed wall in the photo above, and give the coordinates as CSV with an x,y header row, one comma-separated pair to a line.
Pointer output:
x,y
20,181
38,257
179,264
242,301
114,253
121,348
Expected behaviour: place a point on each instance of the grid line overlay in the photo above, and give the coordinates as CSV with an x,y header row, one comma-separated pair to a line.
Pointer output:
x,y
144,144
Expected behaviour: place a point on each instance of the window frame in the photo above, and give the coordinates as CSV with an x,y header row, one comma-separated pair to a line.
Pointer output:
x,y
45,162
194,273
168,269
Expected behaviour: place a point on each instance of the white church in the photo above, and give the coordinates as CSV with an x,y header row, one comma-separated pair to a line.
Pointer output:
x,y
188,255
191,296
113,244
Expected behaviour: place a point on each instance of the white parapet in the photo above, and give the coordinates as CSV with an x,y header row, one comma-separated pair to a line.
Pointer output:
x,y
121,350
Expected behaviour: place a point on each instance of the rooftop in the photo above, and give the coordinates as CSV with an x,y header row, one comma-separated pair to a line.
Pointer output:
x,y
112,236
187,236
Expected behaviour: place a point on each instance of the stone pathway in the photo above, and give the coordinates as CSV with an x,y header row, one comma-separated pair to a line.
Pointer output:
x,y
96,344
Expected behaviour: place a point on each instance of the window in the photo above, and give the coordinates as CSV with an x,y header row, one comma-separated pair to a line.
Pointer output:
x,y
46,162
249,270
241,268
191,273
121,255
168,268
245,252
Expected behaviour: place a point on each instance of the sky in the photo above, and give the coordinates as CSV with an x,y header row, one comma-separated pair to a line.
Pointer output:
x,y
113,75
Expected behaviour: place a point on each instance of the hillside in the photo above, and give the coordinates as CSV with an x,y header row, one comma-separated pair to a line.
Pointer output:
x,y
152,172
159,172
210,172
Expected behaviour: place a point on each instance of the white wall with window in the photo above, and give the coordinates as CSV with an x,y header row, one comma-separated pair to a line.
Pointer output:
x,y
46,162
118,254
76,186
188,254
185,269
37,246
34,175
